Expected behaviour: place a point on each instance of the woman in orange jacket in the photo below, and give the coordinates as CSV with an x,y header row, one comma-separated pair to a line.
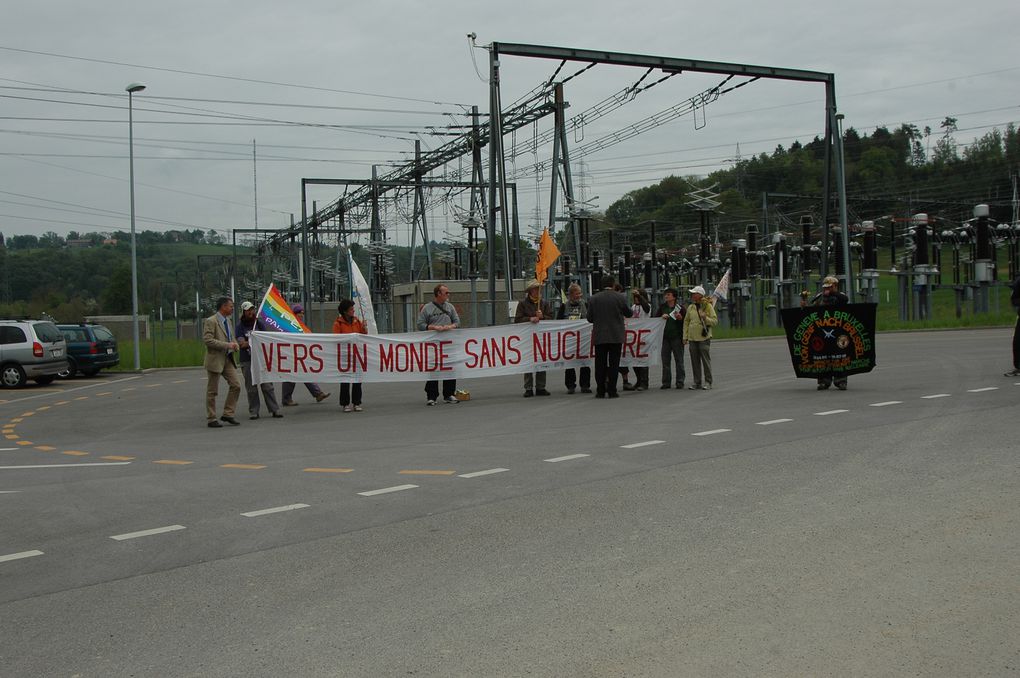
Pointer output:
x,y
347,323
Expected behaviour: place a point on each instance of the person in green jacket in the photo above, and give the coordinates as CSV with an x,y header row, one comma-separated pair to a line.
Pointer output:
x,y
673,312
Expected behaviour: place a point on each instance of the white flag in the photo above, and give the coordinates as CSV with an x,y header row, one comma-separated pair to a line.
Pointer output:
x,y
362,297
722,289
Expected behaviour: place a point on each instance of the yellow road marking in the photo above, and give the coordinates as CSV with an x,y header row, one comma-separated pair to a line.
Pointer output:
x,y
253,467
82,398
24,442
45,448
132,388
427,473
173,462
17,421
26,414
11,436
104,393
114,457
328,470
62,402
44,407
180,381
75,453
153,385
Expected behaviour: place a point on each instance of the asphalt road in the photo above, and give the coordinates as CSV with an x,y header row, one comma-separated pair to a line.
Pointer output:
x,y
758,529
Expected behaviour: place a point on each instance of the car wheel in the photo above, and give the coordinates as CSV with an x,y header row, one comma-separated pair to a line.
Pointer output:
x,y
91,372
69,372
45,379
12,376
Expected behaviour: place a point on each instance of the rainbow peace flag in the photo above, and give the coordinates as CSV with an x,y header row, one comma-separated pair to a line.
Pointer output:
x,y
275,313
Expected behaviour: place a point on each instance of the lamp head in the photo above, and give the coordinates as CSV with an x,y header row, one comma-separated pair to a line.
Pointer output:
x,y
134,87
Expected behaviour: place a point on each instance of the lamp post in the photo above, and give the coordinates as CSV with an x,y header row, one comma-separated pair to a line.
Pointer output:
x,y
131,89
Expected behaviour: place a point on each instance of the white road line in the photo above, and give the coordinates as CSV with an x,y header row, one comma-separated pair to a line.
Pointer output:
x,y
712,432
556,460
828,412
936,395
19,556
887,402
982,390
385,490
644,444
477,474
278,509
10,491
773,421
103,463
7,449
147,533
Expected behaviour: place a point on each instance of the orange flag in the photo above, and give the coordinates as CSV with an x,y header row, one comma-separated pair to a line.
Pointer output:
x,y
548,252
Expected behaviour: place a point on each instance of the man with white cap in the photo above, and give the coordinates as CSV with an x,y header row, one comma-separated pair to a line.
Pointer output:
x,y
245,326
830,296
698,324
533,309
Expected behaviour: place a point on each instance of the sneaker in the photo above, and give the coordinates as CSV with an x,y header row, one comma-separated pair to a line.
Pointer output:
x,y
542,392
665,387
528,393
430,403
841,386
695,387
1011,373
585,390
640,388
707,387
451,401
277,415
570,391
348,408
357,408
823,387
627,386
322,396
289,403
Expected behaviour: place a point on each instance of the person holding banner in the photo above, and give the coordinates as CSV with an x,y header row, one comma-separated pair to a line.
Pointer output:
x,y
641,308
347,323
220,344
606,311
1015,300
533,309
575,308
698,324
439,315
829,296
245,326
288,386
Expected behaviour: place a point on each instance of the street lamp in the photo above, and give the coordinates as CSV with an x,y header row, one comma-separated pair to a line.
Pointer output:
x,y
131,89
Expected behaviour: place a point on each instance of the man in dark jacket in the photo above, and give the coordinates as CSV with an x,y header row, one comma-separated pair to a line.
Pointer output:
x,y
1015,300
606,311
672,338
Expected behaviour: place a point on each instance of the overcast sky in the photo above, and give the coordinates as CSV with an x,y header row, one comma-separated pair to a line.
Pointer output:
x,y
211,68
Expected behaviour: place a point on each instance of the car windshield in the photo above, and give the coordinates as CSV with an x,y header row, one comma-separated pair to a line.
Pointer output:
x,y
102,334
47,332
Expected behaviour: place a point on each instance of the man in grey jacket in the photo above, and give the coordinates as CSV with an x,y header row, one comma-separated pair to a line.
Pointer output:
x,y
439,315
606,311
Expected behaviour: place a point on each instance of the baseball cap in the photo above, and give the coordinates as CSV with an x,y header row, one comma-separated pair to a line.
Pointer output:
x,y
698,290
830,281
247,305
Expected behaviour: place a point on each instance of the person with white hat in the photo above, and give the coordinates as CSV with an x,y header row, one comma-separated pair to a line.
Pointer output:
x,y
830,296
698,324
532,308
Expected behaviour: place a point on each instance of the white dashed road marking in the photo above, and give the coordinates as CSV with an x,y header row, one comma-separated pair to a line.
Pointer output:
x,y
982,390
712,432
105,463
278,509
387,490
936,395
566,458
19,556
477,474
828,412
644,444
887,402
147,533
773,421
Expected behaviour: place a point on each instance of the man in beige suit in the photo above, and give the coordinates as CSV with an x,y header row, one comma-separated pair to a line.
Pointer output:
x,y
220,345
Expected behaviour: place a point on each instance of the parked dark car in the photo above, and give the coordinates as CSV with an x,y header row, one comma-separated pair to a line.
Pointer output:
x,y
30,349
90,348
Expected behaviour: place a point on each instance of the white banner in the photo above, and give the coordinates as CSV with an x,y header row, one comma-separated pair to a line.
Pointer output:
x,y
454,354
361,296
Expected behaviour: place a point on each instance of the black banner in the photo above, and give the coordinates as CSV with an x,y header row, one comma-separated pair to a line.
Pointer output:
x,y
836,340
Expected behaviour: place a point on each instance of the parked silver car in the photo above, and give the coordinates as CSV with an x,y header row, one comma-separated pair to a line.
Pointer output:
x,y
30,349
